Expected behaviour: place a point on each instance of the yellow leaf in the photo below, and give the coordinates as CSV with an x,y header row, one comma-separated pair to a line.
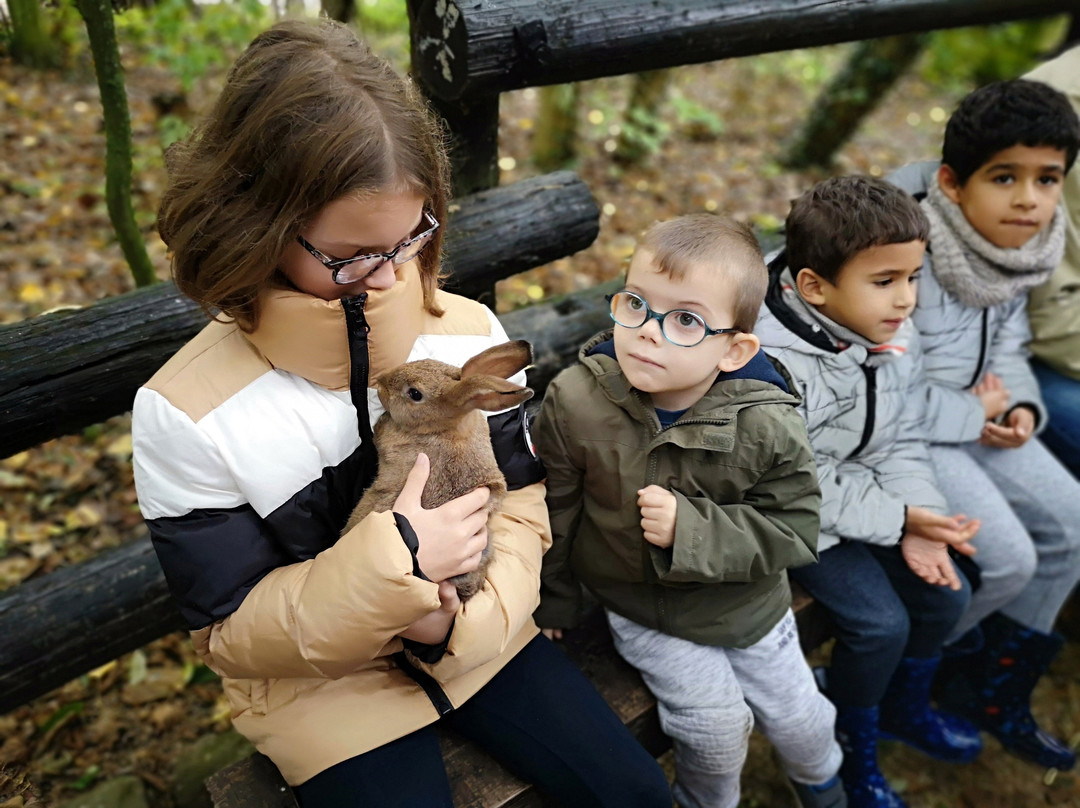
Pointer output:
x,y
121,447
84,515
31,293
98,673
16,461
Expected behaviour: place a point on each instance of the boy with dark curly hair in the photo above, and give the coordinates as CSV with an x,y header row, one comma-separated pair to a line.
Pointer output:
x,y
997,230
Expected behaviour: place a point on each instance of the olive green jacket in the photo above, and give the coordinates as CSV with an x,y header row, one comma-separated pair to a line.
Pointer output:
x,y
743,475
1054,307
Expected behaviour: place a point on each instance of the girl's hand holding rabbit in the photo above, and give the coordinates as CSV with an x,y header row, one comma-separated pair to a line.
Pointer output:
x,y
433,627
453,536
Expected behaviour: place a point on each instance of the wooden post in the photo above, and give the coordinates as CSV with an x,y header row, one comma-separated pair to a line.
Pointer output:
x,y
472,122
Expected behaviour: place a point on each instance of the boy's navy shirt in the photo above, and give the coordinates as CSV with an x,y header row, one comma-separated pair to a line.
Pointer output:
x,y
759,367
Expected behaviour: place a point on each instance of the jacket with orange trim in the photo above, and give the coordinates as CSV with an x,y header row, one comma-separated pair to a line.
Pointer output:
x,y
251,451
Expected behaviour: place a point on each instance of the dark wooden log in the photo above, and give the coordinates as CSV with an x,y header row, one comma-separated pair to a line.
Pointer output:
x,y
57,627
64,371
472,48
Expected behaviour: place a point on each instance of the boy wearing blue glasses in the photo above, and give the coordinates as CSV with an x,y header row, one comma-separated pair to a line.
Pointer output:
x,y
681,486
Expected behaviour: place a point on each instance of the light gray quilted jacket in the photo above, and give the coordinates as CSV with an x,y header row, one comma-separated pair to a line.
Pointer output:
x,y
864,423
961,343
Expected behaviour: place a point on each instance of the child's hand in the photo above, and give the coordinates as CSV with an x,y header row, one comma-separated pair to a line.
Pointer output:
x,y
956,531
552,633
1018,427
658,507
453,536
993,395
432,627
929,560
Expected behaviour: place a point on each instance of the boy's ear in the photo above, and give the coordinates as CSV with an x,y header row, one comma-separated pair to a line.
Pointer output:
x,y
742,349
810,286
949,183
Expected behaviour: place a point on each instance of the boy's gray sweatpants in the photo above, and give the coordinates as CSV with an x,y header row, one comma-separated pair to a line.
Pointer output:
x,y
1028,547
709,697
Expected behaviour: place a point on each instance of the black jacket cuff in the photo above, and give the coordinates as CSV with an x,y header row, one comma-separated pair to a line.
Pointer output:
x,y
408,535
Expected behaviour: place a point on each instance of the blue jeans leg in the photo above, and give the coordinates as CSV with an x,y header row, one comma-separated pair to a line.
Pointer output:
x,y
1061,395
882,612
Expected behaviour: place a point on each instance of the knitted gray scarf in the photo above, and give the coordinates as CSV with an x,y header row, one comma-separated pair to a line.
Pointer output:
x,y
973,270
877,354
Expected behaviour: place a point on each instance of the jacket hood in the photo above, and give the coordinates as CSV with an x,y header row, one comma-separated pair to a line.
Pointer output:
x,y
308,336
762,380
779,326
915,178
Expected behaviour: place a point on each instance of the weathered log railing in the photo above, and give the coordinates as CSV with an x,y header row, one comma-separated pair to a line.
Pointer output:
x,y
466,52
64,371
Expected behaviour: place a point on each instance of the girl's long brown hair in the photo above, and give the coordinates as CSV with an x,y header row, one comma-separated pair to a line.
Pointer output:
x,y
308,115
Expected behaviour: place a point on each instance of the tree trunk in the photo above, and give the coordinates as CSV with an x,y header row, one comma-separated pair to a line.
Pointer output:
x,y
643,130
30,42
340,10
556,127
110,76
871,70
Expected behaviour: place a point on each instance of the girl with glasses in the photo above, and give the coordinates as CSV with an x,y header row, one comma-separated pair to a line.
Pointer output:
x,y
305,215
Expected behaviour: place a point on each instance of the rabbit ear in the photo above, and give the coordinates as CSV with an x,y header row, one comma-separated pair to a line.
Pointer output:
x,y
503,360
487,393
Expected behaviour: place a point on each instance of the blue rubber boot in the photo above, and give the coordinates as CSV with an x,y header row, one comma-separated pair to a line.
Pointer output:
x,y
992,689
866,787
906,715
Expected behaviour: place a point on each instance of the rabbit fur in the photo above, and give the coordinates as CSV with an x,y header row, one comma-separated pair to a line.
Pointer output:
x,y
436,408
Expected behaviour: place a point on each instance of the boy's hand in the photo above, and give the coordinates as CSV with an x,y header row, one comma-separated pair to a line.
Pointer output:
x,y
1018,427
993,395
432,627
929,560
552,633
658,507
955,531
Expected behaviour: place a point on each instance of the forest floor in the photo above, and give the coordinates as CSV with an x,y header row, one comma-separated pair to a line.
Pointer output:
x,y
727,124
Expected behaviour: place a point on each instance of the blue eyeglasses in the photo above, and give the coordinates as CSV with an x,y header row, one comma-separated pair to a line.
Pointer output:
x,y
347,270
679,327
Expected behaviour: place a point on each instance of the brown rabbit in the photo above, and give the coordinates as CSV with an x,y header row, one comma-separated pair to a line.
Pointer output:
x,y
435,408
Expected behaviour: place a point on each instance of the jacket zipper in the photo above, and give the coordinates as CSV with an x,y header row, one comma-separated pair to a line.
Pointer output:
x,y
359,368
982,349
650,476
871,408
359,365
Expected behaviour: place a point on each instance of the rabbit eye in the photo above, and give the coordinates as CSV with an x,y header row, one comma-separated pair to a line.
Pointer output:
x,y
414,394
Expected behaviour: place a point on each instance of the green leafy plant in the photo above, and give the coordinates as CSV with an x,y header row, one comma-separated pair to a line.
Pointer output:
x,y
190,39
965,56
698,122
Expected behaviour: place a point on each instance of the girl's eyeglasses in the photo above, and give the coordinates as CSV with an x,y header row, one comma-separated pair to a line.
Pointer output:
x,y
679,327
347,270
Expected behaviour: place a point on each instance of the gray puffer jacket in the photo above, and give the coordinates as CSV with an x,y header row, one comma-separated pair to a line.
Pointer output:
x,y
961,343
864,424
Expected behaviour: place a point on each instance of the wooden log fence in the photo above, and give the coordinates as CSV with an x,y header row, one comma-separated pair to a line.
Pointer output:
x,y
466,52
62,372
